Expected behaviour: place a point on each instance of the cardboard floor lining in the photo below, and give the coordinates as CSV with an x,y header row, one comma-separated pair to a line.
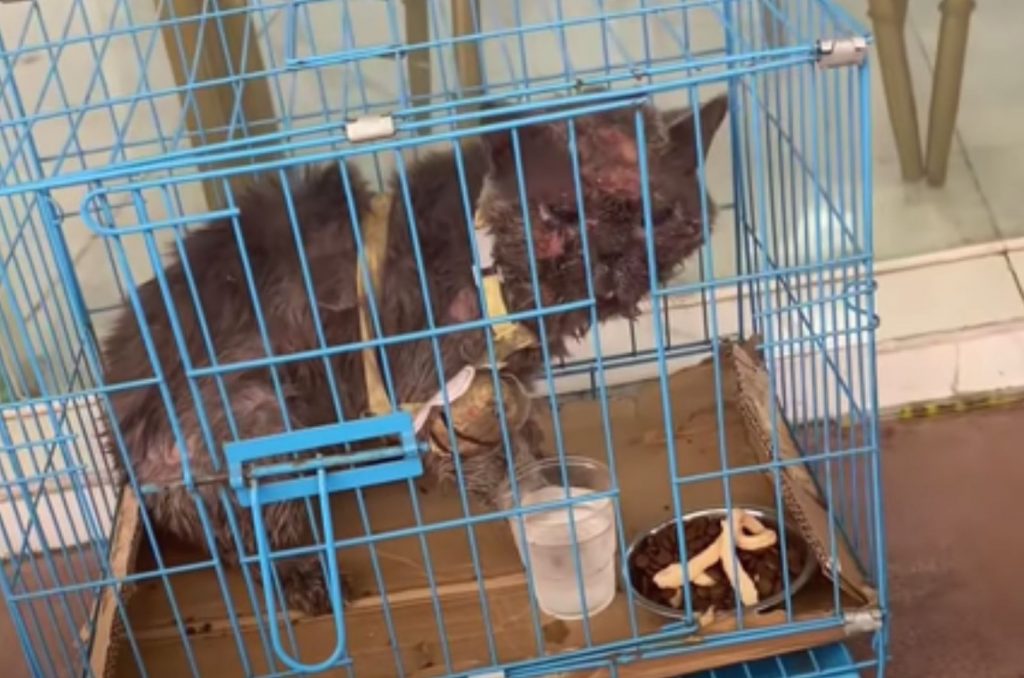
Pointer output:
x,y
645,500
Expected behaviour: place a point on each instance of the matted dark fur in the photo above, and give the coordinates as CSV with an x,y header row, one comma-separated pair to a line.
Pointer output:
x,y
608,163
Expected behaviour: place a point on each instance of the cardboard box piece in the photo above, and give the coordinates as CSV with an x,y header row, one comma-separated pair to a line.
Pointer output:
x,y
645,499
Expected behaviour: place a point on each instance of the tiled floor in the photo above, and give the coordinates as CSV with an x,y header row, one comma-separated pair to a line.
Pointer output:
x,y
912,219
972,206
981,199
991,141
956,602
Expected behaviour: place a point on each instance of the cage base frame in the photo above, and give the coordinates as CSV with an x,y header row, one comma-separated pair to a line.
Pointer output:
x,y
814,621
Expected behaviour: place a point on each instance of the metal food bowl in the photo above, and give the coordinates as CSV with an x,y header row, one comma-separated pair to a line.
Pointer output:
x,y
770,519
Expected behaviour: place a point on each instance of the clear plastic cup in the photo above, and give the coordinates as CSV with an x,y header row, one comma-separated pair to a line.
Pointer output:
x,y
552,564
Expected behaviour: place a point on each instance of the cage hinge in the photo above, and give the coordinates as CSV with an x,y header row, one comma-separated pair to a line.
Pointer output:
x,y
862,621
370,127
842,52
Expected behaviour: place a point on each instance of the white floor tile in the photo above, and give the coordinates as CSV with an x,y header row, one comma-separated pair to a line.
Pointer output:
x,y
949,297
912,219
990,363
916,374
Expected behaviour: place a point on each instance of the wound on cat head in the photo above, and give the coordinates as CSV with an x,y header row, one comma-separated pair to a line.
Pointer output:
x,y
604,197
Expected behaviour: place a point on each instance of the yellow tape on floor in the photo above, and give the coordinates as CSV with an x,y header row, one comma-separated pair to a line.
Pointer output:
x,y
954,405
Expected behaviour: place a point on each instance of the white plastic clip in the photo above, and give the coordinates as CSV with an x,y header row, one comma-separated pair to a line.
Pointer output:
x,y
842,52
456,388
862,621
370,127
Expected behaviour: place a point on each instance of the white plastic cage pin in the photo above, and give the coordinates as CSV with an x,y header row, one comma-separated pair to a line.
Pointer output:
x,y
370,127
842,52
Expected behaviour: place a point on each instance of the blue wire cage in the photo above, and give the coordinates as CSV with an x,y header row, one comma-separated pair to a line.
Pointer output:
x,y
126,124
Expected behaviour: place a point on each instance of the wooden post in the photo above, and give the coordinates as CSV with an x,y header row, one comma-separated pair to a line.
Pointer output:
x,y
887,17
946,81
417,31
465,15
203,46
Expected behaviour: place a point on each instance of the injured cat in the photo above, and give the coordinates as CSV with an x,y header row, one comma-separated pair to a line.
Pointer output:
x,y
214,296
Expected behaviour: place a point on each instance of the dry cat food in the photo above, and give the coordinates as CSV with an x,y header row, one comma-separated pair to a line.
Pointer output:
x,y
657,575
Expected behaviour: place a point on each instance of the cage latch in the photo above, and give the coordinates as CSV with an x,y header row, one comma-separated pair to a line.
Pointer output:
x,y
283,478
842,52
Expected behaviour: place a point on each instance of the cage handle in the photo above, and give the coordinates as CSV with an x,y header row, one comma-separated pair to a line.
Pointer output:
x,y
259,484
333,580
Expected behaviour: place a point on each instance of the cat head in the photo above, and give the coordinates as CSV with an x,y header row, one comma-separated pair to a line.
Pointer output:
x,y
609,191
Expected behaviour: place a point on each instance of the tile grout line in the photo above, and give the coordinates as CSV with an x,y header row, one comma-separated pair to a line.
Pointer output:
x,y
1015,274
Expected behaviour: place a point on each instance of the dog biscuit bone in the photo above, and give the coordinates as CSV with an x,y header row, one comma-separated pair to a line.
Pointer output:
x,y
723,549
734,569
750,522
760,537
706,618
671,576
755,542
703,579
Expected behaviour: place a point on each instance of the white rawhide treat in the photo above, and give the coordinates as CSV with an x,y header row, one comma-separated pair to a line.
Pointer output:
x,y
760,537
750,535
734,571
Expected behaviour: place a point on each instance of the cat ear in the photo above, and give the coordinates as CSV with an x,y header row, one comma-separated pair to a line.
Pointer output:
x,y
682,129
500,151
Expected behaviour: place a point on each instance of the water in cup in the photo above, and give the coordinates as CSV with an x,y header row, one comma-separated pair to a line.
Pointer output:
x,y
552,563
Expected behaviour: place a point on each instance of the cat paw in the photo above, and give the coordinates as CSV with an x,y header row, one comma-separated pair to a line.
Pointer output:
x,y
306,590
